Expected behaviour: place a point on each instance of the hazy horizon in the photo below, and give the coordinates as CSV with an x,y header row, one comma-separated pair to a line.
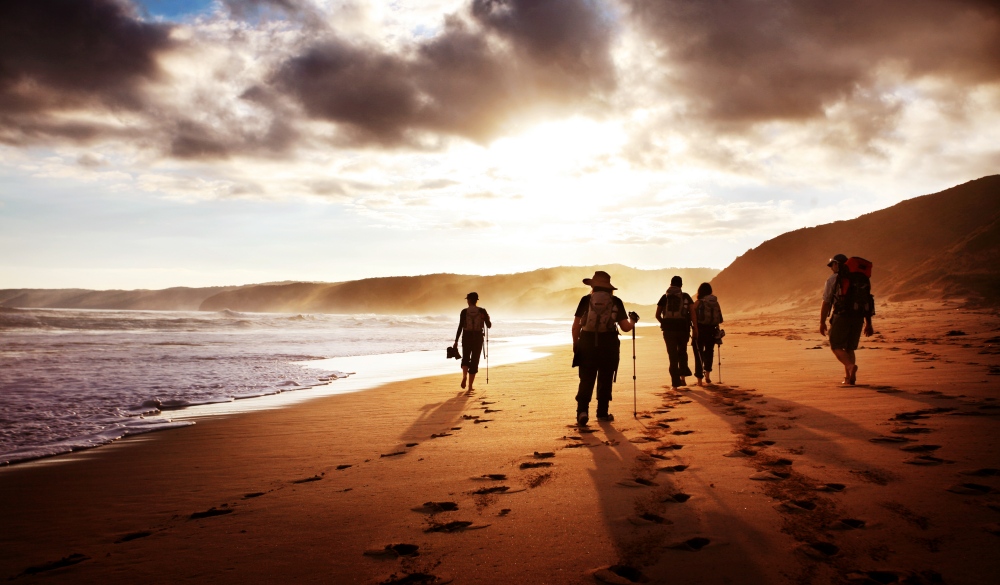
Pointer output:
x,y
148,144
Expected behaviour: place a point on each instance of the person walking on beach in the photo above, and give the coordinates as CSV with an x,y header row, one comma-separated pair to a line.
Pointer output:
x,y
596,344
673,311
853,307
472,322
707,316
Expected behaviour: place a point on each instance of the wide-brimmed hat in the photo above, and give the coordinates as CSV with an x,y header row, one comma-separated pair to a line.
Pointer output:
x,y
839,259
601,279
472,296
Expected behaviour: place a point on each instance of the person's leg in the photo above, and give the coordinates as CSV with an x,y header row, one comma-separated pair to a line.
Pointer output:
x,y
466,356
706,342
588,375
605,380
476,343
683,357
672,357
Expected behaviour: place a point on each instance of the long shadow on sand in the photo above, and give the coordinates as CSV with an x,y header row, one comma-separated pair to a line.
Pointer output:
x,y
650,547
437,417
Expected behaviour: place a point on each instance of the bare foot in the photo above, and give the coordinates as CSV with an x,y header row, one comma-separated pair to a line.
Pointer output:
x,y
463,382
854,375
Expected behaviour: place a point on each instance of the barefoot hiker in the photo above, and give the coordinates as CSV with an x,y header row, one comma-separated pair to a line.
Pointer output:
x,y
673,311
471,323
596,344
848,293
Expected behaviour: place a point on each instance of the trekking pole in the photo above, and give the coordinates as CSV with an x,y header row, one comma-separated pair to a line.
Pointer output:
x,y
487,355
720,363
635,401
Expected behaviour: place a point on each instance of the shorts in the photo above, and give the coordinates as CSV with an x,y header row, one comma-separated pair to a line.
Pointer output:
x,y
845,332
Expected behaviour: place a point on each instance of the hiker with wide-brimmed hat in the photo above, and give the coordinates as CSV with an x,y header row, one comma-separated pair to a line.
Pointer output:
x,y
472,324
596,344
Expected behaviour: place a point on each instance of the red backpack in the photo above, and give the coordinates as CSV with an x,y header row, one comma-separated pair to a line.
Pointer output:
x,y
854,295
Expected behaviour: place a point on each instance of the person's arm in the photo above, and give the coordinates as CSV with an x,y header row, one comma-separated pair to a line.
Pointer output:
x,y
626,324
489,325
577,326
824,312
461,321
659,309
869,329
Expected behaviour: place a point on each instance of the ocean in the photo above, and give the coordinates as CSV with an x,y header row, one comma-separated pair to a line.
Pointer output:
x,y
77,379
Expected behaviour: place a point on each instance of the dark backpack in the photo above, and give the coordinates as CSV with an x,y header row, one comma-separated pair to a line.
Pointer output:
x,y
677,307
709,312
854,294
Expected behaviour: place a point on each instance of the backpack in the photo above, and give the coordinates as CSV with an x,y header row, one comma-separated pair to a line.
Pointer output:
x,y
854,295
677,307
601,314
475,319
709,312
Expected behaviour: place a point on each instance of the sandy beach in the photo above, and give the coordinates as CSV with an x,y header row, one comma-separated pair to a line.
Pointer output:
x,y
778,474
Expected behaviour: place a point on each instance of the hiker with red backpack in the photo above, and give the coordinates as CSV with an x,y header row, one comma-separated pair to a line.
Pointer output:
x,y
673,311
472,324
848,295
707,316
596,344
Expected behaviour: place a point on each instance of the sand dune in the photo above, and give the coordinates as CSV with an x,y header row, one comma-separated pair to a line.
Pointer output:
x,y
170,299
943,245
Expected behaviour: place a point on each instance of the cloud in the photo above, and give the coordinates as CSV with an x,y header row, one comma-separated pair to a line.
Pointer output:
x,y
748,61
510,59
60,54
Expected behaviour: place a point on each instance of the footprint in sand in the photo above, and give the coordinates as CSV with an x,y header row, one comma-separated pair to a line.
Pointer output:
x,y
436,507
213,511
926,460
692,544
393,551
970,489
670,447
911,430
67,561
887,439
439,435
831,487
543,454
985,472
920,448
672,468
850,524
416,579
740,453
636,483
133,536
682,432
679,498
309,479
345,466
491,476
455,526
819,550
770,476
619,575
252,495
796,506
535,464
648,519
393,454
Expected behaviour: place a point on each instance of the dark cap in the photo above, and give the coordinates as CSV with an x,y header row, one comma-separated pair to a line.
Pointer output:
x,y
839,259
473,296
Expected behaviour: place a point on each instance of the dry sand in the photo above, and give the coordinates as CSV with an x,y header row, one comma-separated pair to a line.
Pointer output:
x,y
300,494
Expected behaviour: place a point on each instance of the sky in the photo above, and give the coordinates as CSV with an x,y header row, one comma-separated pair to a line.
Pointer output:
x,y
158,143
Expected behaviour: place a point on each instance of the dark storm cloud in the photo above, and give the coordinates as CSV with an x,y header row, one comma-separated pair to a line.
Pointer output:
x,y
514,57
67,53
745,61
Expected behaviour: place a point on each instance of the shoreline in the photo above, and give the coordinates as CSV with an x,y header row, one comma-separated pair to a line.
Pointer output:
x,y
360,373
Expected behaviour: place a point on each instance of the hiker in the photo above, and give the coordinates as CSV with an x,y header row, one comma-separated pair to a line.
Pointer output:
x,y
470,328
596,344
673,311
707,317
850,299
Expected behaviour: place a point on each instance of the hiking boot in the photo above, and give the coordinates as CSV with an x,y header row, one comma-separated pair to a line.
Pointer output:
x,y
582,418
606,417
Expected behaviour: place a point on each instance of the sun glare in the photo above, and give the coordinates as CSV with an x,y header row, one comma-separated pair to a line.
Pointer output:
x,y
555,148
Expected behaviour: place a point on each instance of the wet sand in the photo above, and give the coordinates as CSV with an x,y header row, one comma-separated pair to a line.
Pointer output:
x,y
779,474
